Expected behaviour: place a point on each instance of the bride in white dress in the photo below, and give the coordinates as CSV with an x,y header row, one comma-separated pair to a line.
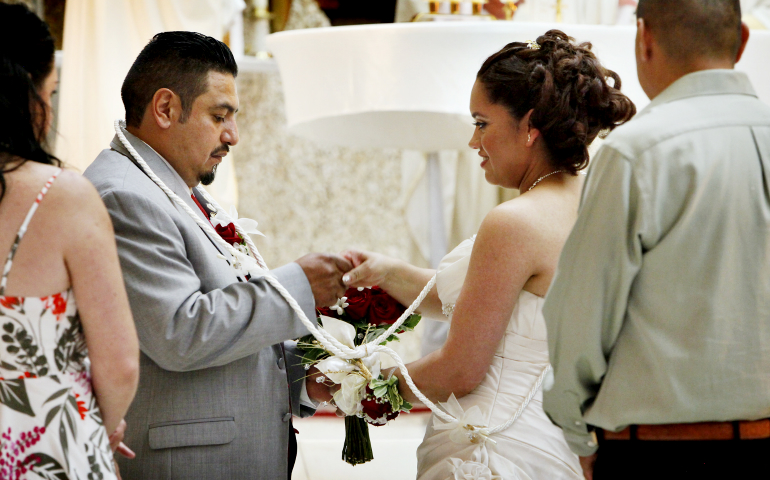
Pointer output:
x,y
537,107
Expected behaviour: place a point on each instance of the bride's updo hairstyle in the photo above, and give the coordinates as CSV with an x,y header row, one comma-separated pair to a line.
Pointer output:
x,y
567,89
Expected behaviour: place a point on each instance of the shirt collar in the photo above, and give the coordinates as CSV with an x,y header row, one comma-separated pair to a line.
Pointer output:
x,y
704,82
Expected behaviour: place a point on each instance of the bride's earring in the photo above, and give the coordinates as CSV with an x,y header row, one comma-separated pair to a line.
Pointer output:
x,y
529,137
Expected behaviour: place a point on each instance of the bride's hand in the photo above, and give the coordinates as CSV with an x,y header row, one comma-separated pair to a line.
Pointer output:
x,y
369,268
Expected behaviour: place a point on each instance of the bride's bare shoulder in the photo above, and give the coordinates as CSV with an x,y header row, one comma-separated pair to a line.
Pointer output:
x,y
512,224
531,221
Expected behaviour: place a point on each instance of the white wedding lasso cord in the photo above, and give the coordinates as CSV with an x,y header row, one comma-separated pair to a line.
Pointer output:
x,y
327,340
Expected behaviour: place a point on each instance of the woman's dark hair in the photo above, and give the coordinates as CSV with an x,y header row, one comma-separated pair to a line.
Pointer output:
x,y
565,86
26,60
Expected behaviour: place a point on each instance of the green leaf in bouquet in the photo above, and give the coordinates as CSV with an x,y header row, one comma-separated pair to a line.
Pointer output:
x,y
393,338
380,391
360,324
314,355
411,322
396,400
374,333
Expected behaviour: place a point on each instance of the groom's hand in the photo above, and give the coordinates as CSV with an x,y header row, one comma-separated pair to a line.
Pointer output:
x,y
318,391
324,272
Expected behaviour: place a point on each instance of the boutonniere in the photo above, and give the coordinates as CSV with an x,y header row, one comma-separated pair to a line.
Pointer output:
x,y
224,225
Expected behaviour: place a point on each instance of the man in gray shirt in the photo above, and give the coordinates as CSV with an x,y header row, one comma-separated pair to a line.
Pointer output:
x,y
659,315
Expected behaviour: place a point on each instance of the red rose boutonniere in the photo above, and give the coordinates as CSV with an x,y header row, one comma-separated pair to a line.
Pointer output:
x,y
229,234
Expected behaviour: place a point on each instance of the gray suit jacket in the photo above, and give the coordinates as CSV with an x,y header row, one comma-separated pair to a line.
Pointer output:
x,y
215,390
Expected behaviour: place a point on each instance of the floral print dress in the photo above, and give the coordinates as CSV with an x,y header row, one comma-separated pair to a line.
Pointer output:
x,y
50,424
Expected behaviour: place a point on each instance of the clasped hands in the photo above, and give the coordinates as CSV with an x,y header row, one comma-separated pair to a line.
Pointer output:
x,y
330,276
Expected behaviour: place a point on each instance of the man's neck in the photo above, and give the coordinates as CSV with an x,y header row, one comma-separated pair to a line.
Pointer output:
x,y
673,72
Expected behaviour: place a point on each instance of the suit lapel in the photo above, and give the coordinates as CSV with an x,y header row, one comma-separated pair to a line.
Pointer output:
x,y
167,174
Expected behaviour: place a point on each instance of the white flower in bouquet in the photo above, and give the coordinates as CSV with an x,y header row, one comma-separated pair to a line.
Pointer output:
x,y
348,397
352,376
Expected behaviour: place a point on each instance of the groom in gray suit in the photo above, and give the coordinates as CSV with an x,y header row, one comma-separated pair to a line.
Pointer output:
x,y
218,384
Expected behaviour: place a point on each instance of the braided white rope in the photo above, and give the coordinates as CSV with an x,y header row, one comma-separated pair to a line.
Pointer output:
x,y
175,198
520,410
327,340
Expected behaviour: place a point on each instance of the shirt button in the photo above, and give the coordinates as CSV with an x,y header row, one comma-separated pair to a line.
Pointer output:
x,y
280,363
578,423
287,417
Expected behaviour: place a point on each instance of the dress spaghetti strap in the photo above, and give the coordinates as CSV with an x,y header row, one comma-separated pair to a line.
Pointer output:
x,y
23,230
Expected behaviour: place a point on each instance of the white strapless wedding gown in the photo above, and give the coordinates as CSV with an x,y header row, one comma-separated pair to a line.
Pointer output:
x,y
533,448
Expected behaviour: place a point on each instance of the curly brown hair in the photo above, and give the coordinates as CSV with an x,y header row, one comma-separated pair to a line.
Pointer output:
x,y
567,89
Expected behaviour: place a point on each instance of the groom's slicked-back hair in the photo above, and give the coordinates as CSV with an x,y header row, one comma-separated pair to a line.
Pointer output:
x,y
691,29
179,61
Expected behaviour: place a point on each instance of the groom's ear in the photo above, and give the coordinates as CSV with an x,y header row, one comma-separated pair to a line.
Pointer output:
x,y
165,108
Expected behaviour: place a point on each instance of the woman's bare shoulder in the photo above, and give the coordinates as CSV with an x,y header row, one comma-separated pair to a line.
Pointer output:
x,y
71,185
69,196
512,225
516,215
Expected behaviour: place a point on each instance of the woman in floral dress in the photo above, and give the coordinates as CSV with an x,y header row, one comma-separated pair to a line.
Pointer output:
x,y
67,372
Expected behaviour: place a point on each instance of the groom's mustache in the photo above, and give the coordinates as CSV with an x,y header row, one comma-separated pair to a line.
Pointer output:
x,y
221,151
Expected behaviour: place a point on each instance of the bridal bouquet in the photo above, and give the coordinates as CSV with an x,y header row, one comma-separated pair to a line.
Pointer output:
x,y
365,396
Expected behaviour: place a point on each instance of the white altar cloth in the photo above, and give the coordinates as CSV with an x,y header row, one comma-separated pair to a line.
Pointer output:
x,y
408,85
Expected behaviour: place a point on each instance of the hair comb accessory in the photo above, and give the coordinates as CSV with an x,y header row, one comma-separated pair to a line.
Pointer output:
x,y
533,45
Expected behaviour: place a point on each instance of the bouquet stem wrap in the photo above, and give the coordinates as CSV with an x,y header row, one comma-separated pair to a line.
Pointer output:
x,y
358,446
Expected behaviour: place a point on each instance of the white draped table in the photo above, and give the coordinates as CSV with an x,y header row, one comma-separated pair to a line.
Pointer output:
x,y
408,85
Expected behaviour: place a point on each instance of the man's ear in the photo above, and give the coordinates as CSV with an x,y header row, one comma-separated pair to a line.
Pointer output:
x,y
744,41
644,41
165,108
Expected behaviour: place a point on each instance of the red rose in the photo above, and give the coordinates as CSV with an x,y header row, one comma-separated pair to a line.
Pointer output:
x,y
229,234
328,312
358,303
384,309
377,414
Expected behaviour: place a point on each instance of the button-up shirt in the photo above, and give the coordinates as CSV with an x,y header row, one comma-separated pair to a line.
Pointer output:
x,y
660,308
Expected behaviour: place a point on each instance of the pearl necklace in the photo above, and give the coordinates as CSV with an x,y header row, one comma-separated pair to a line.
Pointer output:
x,y
544,177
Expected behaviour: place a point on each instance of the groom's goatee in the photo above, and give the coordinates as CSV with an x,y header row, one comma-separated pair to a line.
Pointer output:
x,y
208,178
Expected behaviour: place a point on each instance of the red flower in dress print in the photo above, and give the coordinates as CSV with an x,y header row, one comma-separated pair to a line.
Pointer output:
x,y
82,409
59,305
10,302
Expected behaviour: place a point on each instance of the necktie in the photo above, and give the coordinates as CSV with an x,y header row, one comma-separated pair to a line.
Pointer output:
x,y
200,206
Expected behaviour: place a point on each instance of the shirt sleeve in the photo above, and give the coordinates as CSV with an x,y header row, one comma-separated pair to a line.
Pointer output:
x,y
586,304
304,398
